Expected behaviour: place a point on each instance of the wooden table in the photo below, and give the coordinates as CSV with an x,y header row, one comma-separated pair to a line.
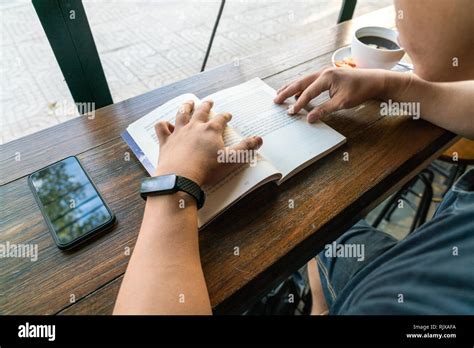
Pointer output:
x,y
274,240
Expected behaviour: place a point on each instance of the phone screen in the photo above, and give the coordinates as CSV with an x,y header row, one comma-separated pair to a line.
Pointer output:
x,y
70,202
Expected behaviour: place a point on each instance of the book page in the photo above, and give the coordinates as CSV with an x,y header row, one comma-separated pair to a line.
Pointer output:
x,y
235,186
220,196
289,142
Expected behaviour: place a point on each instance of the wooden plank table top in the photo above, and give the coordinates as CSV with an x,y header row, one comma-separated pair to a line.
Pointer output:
x,y
273,239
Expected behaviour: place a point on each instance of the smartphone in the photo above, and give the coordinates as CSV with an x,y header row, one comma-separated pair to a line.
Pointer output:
x,y
70,203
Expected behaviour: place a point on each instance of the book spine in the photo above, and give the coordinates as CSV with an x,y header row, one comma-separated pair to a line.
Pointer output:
x,y
150,168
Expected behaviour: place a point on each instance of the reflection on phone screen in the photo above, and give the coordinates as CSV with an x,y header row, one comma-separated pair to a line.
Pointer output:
x,y
70,202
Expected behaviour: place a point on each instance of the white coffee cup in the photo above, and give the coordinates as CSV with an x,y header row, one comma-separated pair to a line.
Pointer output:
x,y
369,57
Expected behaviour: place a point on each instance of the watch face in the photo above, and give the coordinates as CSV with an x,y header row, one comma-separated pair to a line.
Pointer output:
x,y
159,183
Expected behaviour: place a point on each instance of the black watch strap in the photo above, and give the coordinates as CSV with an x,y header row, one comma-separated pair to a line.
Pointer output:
x,y
169,184
190,187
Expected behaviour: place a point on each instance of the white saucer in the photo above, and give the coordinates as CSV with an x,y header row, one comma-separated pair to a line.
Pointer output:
x,y
345,52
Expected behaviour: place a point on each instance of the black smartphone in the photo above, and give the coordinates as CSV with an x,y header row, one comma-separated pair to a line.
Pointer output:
x,y
70,203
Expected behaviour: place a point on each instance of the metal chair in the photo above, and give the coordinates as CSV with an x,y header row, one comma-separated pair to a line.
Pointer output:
x,y
426,177
460,155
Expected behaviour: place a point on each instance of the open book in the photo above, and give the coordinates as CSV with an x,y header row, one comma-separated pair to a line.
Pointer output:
x,y
290,143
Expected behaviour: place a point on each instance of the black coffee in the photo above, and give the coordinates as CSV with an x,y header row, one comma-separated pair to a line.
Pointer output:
x,y
379,43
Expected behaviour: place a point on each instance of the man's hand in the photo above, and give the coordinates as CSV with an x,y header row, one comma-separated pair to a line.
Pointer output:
x,y
190,148
347,88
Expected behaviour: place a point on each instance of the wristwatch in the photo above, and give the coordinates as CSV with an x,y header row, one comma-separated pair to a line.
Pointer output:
x,y
169,184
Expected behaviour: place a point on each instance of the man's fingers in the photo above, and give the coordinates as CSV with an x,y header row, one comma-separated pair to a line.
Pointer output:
x,y
315,89
184,114
163,129
220,121
245,151
294,88
202,112
289,91
322,110
251,143
282,88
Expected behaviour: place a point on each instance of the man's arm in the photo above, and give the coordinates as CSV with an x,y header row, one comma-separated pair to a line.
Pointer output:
x,y
447,105
164,275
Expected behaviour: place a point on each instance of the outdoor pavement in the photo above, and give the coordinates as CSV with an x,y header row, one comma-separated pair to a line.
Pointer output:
x,y
142,45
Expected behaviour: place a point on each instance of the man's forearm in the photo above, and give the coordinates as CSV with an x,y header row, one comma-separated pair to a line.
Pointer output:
x,y
164,275
447,105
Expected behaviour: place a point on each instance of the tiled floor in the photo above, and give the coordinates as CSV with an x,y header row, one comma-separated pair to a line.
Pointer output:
x,y
143,45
